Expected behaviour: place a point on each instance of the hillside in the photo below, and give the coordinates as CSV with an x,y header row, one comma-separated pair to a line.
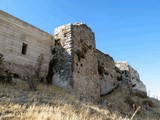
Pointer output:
x,y
53,103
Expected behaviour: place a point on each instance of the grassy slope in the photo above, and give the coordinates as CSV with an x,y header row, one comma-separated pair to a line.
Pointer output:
x,y
127,103
53,103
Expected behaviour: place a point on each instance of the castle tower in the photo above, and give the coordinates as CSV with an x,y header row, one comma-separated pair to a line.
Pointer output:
x,y
74,66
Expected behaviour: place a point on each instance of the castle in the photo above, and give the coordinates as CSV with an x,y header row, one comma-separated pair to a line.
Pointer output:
x,y
71,60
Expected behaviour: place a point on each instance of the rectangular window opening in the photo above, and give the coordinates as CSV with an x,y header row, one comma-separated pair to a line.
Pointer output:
x,y
24,48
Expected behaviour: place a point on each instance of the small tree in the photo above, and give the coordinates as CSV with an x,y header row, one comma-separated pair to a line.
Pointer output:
x,y
5,75
33,75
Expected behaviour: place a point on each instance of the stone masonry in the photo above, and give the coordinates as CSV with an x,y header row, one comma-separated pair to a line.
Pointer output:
x,y
75,66
86,84
107,73
71,60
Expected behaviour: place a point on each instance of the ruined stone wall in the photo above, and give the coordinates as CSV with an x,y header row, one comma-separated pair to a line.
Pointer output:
x,y
107,72
86,84
14,34
127,75
60,72
70,57
74,64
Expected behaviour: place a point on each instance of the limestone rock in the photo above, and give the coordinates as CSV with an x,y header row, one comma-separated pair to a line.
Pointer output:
x,y
126,74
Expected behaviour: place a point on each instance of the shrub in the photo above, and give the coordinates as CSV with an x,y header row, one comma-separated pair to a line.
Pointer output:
x,y
148,103
140,94
130,102
33,75
5,75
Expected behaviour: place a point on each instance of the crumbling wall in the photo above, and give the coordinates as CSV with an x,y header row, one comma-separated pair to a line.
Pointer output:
x,y
107,72
60,72
81,69
74,65
86,84
17,36
128,76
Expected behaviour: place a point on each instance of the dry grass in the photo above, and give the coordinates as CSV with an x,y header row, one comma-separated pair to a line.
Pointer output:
x,y
53,103
128,103
47,103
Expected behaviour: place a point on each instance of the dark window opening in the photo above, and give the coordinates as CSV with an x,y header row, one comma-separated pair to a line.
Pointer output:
x,y
24,48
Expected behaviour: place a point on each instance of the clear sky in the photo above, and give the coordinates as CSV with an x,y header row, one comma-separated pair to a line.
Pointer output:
x,y
128,30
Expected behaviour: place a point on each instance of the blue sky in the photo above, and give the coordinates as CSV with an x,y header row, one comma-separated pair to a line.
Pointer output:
x,y
128,30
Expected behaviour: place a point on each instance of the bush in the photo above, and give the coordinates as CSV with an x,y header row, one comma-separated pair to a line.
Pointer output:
x,y
148,103
140,94
130,102
32,76
5,75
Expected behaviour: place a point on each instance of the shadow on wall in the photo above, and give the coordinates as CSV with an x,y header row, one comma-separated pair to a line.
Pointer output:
x,y
60,67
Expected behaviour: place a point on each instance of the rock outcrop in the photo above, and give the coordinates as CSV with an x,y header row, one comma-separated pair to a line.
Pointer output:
x,y
128,76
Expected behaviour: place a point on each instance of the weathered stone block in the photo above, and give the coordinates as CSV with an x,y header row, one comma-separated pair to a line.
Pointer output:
x,y
107,72
86,84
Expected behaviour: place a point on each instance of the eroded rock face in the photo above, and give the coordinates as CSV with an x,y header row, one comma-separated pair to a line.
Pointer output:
x,y
127,75
107,73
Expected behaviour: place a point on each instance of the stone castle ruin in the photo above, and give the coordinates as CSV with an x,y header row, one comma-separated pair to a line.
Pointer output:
x,y
71,60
